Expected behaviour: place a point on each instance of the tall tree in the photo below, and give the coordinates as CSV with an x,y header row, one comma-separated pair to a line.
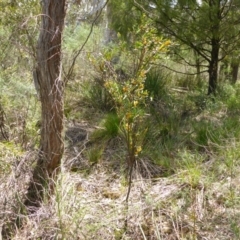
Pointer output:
x,y
48,76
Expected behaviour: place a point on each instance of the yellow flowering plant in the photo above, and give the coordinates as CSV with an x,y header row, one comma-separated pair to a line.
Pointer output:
x,y
130,96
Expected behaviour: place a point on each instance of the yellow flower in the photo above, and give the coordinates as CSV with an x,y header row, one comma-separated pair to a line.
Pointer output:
x,y
142,74
168,42
165,44
125,89
128,116
138,150
135,103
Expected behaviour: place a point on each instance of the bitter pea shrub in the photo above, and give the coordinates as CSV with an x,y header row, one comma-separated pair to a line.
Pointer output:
x,y
130,96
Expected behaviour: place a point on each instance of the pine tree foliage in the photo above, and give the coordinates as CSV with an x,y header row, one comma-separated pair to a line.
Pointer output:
x,y
209,28
204,26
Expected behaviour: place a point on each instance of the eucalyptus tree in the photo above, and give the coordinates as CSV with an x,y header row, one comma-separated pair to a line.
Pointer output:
x,y
51,89
48,73
204,26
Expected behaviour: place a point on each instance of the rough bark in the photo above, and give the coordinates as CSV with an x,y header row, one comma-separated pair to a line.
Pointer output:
x,y
48,76
50,83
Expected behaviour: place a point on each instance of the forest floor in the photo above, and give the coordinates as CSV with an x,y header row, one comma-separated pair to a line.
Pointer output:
x,y
90,199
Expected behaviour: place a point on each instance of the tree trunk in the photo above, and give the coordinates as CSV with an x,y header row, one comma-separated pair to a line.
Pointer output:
x,y
50,83
213,68
215,18
48,76
213,76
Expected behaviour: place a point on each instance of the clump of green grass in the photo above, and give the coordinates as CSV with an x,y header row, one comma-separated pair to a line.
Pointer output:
x,y
109,128
190,165
94,154
156,84
206,133
98,97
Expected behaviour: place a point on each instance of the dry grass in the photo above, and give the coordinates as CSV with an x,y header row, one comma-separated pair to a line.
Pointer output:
x,y
92,206
199,201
